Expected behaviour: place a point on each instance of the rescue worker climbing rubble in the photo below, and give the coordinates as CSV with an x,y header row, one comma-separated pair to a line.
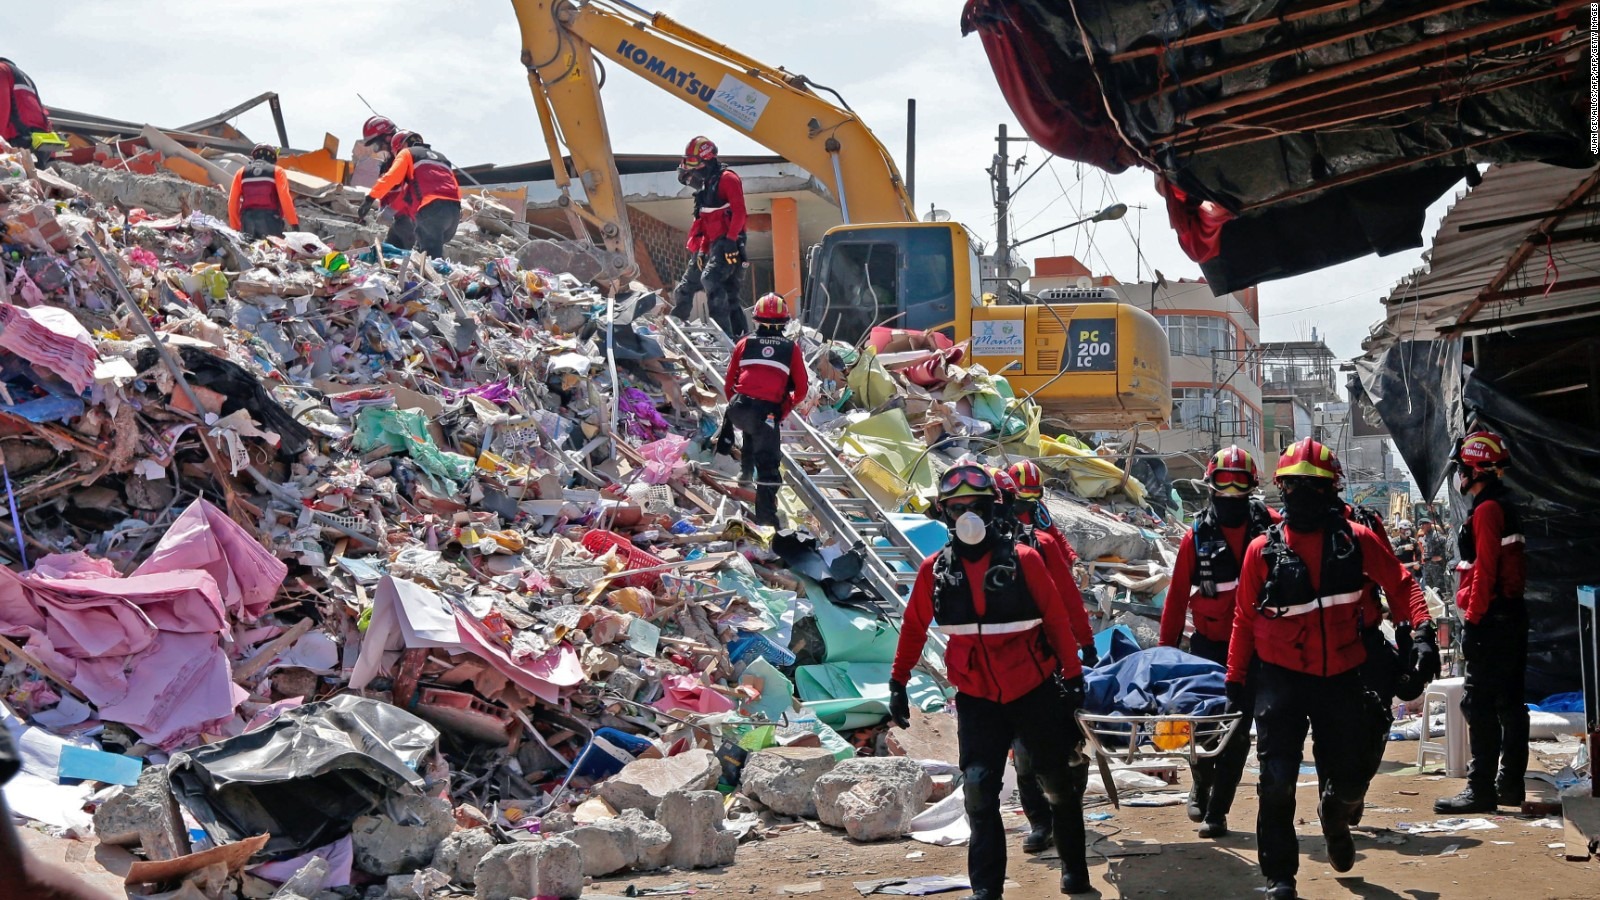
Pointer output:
x,y
22,115
716,239
1297,645
766,379
259,203
1205,580
377,134
1011,659
1022,489
431,181
1494,636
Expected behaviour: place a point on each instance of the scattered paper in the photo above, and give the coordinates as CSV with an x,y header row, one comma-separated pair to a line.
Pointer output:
x,y
810,887
1446,826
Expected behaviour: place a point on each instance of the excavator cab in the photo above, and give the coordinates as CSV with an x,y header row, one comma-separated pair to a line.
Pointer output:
x,y
900,276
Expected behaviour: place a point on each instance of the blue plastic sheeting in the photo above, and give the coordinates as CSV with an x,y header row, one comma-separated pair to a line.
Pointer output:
x,y
46,409
1159,681
1559,703
928,535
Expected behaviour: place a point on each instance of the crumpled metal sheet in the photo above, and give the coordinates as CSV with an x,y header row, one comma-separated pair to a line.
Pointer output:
x,y
305,776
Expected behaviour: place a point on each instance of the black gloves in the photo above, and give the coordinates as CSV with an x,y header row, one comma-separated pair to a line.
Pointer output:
x,y
899,705
1425,652
366,207
1238,697
1071,691
728,250
1090,655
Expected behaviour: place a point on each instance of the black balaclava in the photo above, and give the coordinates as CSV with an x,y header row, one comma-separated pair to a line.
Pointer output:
x,y
1310,504
1232,510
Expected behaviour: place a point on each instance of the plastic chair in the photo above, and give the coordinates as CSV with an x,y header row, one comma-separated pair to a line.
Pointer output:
x,y
1454,746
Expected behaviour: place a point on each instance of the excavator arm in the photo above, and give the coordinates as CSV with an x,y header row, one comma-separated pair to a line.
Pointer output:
x,y
778,110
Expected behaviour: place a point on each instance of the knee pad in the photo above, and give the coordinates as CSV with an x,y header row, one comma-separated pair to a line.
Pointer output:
x,y
980,794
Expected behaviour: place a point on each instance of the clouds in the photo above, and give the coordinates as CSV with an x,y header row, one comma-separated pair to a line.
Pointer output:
x,y
450,70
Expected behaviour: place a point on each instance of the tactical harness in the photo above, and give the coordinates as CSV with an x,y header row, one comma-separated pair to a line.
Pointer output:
x,y
1288,590
1216,568
1467,545
1009,608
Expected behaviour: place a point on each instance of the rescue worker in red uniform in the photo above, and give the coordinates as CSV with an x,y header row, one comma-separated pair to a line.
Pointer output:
x,y
1390,671
1205,580
1494,636
21,112
766,380
377,134
1011,659
259,203
431,181
716,239
1297,643
1022,489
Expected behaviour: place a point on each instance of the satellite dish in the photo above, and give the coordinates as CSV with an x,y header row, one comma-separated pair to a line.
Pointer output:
x,y
936,215
1085,282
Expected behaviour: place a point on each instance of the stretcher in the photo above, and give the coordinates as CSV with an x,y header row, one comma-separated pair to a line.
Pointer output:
x,y
1139,741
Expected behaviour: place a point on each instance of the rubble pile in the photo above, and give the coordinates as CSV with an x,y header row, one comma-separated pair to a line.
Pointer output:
x,y
330,566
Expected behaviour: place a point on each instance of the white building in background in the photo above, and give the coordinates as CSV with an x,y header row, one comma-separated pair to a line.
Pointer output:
x,y
1215,363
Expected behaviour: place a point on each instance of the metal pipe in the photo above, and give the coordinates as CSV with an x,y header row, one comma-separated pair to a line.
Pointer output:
x,y
838,179
911,150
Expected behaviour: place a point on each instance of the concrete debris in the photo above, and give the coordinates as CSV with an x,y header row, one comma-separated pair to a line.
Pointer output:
x,y
782,778
391,844
695,819
872,798
630,841
145,816
552,867
306,882
642,784
458,854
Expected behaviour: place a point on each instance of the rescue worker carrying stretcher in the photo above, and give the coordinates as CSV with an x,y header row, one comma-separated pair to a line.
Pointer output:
x,y
1021,490
1011,659
1297,644
766,379
431,181
377,134
1494,635
716,239
1205,580
259,203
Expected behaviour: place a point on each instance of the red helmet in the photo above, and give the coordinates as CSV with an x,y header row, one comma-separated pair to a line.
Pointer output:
x,y
404,139
772,308
1003,482
1028,478
1482,450
1309,459
699,152
377,127
264,151
1233,471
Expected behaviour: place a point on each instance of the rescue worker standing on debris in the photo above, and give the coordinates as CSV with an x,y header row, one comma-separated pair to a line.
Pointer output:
x,y
1494,636
1297,645
716,239
766,380
259,204
1205,581
430,181
1011,659
1022,487
377,134
21,113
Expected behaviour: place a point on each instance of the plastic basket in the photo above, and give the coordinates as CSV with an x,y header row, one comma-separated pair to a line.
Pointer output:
x,y
598,542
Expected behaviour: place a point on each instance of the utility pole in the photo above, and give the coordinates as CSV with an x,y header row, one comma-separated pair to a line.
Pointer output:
x,y
1002,206
1216,407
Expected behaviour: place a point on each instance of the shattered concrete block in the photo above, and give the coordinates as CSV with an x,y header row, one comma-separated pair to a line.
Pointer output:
x,y
872,798
629,841
782,778
552,867
627,684
389,846
307,881
459,854
641,784
145,815
694,819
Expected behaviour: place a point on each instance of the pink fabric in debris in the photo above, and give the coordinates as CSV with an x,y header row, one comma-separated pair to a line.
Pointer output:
x,y
690,693
206,538
51,339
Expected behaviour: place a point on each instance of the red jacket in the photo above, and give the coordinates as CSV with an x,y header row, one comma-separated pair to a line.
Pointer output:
x,y
1058,557
261,185
1371,608
1213,616
1325,641
1497,570
756,369
718,214
20,109
995,666
424,174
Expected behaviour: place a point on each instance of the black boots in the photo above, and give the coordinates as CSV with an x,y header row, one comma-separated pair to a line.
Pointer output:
x,y
1040,839
1076,881
1199,799
1335,815
1214,829
1281,890
1470,800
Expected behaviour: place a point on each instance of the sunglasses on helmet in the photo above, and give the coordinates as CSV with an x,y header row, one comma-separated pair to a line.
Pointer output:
x,y
972,476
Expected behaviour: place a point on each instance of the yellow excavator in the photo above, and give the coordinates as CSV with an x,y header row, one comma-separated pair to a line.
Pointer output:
x,y
1098,365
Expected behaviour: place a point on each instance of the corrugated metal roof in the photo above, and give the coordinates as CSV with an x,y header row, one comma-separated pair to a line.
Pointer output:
x,y
1460,265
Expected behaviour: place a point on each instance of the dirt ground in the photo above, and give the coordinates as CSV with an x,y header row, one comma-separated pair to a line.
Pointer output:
x,y
1511,861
